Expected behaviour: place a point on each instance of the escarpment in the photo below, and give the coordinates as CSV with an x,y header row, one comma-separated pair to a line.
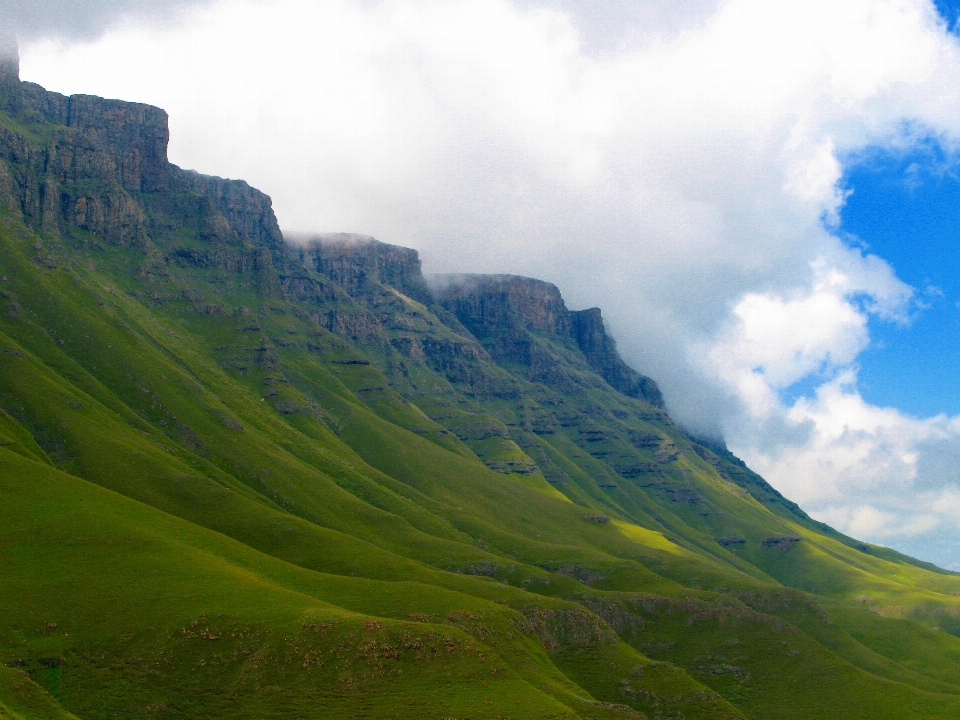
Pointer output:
x,y
357,262
101,166
248,212
104,171
507,312
487,303
601,352
307,481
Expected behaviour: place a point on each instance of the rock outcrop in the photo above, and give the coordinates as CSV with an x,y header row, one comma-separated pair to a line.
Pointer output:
x,y
601,352
133,134
105,158
508,312
504,301
247,211
355,262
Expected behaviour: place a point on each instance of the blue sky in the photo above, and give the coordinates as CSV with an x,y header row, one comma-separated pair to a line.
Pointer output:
x,y
950,10
905,207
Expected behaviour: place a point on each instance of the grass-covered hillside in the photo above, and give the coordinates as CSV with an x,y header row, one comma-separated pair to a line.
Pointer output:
x,y
252,478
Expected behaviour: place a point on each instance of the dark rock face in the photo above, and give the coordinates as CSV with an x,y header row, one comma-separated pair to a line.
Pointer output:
x,y
247,211
71,181
106,158
135,135
506,312
354,262
99,153
514,318
501,301
601,352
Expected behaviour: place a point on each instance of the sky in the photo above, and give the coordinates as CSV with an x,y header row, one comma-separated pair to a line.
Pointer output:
x,y
761,195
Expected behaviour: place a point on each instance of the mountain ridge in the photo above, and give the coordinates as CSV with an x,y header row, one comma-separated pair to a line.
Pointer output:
x,y
242,477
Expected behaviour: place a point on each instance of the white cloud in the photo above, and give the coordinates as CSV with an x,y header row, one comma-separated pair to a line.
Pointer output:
x,y
774,342
87,19
679,168
873,473
948,505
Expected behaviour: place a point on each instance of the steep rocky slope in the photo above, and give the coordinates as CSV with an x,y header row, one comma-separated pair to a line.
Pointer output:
x,y
246,477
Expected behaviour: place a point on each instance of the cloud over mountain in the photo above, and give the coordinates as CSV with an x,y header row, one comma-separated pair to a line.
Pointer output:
x,y
679,170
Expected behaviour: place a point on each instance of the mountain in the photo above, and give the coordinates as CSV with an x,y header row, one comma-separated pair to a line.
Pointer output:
x,y
250,476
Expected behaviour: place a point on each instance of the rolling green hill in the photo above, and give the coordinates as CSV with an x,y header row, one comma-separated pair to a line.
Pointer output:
x,y
250,476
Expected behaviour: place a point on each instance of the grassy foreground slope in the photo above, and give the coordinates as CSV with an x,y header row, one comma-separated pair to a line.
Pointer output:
x,y
241,477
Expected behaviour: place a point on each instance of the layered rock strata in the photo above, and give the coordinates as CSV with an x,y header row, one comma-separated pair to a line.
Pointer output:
x,y
507,311
357,262
601,351
104,158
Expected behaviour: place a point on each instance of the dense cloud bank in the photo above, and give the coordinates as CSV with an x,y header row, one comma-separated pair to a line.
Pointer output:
x,y
679,168
84,19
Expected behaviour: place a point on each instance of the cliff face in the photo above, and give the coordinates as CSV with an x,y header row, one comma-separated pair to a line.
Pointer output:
x,y
357,262
134,135
485,302
96,163
507,312
248,212
601,352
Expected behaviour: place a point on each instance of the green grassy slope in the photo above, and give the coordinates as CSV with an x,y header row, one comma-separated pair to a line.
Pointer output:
x,y
245,479
114,607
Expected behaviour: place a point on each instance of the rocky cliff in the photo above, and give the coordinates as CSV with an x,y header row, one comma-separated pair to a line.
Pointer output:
x,y
601,352
92,163
104,170
507,313
248,212
133,135
358,262
487,302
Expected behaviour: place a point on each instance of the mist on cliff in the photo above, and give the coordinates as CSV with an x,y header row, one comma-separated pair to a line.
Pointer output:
x,y
676,164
